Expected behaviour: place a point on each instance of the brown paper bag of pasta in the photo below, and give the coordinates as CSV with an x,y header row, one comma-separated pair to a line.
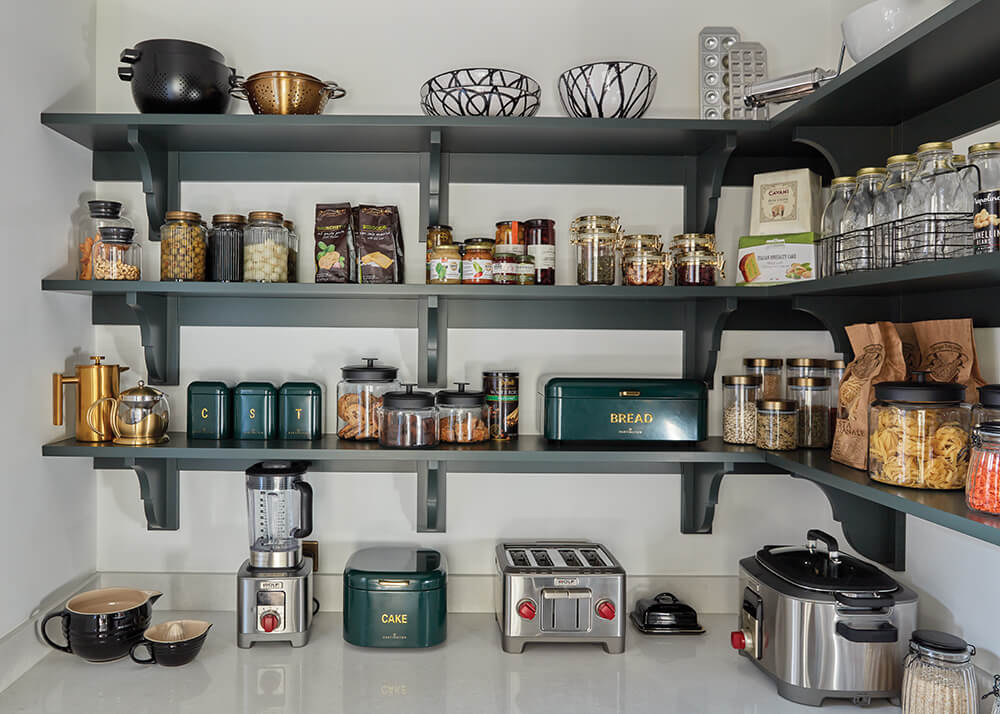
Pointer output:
x,y
910,345
878,357
948,353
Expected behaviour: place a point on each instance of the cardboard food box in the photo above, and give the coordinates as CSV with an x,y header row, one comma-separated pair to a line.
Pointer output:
x,y
786,202
777,259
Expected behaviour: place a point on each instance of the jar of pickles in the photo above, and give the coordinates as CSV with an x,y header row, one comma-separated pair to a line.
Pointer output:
x,y
477,262
116,255
183,246
505,268
510,238
225,248
293,252
461,416
265,248
526,270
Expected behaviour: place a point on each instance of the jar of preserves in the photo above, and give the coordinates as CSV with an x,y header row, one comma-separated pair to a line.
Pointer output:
x,y
438,235
408,419
183,246
698,269
510,238
644,268
988,408
740,393
100,214
982,487
462,419
595,258
265,248
938,675
919,434
806,367
225,248
777,424
812,394
116,255
293,252
477,262
359,395
540,241
505,269
769,371
525,270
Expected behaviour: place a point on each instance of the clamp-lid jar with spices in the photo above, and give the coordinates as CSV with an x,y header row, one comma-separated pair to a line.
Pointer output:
x,y
988,408
265,248
225,248
183,246
938,675
100,214
359,396
461,414
740,393
644,268
777,424
116,255
919,434
596,239
477,262
812,394
408,419
769,370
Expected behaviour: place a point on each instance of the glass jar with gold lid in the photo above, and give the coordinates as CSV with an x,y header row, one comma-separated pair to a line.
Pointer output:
x,y
585,224
641,242
692,243
265,248
698,268
183,246
595,257
646,267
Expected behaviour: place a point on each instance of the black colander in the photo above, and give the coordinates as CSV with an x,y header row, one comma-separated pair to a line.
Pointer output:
x,y
177,76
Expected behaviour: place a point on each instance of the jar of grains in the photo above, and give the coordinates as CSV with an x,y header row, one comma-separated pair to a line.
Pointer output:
x,y
540,240
116,255
812,394
510,238
293,252
740,393
265,248
938,675
477,262
777,424
769,370
183,246
101,213
225,248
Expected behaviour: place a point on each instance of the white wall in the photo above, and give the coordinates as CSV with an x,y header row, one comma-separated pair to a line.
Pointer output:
x,y
47,514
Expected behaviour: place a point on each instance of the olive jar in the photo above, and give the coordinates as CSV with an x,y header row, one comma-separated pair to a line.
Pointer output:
x,y
919,434
408,419
740,393
988,408
183,246
359,395
777,424
461,415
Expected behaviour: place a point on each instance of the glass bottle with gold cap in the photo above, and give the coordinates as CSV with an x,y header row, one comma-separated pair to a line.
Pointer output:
x,y
986,158
889,204
932,194
841,190
857,245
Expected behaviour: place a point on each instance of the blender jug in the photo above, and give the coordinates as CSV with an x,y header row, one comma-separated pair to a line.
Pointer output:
x,y
279,506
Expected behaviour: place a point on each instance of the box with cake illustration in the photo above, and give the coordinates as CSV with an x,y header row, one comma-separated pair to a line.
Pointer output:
x,y
777,259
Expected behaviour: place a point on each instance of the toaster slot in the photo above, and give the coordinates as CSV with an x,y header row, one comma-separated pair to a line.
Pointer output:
x,y
570,558
592,557
566,609
519,558
542,558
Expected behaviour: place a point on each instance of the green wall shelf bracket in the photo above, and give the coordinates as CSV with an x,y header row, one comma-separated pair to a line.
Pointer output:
x,y
432,478
432,341
159,329
434,178
701,196
700,485
704,323
159,171
159,488
849,148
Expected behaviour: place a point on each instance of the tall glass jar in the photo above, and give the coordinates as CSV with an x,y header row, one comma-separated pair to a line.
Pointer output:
x,y
510,238
841,190
938,675
183,246
408,419
595,258
929,207
740,393
806,367
919,434
777,424
769,370
857,244
100,214
265,248
812,394
225,248
116,255
988,408
359,396
985,157
293,252
982,487
540,237
462,416
889,204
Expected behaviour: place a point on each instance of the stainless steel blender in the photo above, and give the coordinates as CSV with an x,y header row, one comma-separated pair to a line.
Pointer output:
x,y
274,589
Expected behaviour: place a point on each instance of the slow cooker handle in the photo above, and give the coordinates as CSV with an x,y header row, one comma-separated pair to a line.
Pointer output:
x,y
876,602
883,633
814,536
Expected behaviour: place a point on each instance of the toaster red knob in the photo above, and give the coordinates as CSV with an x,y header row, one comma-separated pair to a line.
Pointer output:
x,y
738,640
526,609
606,610
269,622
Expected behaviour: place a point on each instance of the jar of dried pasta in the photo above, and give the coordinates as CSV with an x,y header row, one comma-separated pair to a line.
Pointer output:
x,y
919,434
777,424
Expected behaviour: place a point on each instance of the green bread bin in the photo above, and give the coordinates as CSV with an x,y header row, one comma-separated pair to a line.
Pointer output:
x,y
395,597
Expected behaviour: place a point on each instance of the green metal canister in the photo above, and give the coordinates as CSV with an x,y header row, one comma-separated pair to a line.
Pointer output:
x,y
300,411
209,411
255,410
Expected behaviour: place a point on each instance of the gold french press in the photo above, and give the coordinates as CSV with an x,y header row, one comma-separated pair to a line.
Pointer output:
x,y
93,382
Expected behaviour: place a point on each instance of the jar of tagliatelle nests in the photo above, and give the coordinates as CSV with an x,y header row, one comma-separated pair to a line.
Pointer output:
x,y
919,434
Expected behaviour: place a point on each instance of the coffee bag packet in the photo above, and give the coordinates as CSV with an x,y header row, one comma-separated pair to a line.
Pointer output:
x,y
878,357
948,354
910,345
335,255
379,242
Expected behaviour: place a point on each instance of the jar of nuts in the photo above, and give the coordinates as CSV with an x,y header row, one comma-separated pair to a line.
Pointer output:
x,y
359,396
265,248
644,268
116,255
461,415
183,246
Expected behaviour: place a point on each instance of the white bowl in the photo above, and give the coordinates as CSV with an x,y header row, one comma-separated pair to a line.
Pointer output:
x,y
871,27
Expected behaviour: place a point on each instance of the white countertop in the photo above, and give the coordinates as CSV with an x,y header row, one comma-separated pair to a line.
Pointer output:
x,y
469,673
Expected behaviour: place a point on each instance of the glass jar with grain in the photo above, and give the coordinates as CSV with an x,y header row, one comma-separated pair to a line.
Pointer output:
x,y
777,424
183,246
740,393
938,675
812,394
769,370
100,214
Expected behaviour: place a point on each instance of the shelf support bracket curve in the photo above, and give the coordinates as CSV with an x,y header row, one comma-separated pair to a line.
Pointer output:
x,y
700,486
160,331
432,477
432,341
704,322
159,488
160,173
433,183
702,199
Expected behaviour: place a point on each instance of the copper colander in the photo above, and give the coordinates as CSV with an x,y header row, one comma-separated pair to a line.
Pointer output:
x,y
284,92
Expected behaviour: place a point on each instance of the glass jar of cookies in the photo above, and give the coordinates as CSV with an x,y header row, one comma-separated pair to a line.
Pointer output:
x,y
919,434
359,395
461,416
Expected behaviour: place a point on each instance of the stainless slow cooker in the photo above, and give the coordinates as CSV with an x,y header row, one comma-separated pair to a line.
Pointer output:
x,y
824,624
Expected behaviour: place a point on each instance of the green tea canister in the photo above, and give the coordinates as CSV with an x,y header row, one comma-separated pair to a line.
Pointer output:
x,y
300,411
209,411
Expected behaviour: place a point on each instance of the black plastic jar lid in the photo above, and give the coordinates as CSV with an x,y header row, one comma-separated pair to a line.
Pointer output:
x,y
939,641
989,395
369,372
989,428
408,399
116,234
919,391
460,397
104,209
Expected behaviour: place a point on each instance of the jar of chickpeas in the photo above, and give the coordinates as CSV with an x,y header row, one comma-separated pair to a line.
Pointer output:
x,y
183,246
265,248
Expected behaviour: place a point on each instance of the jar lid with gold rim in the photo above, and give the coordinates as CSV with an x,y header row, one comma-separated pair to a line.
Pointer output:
x,y
479,244
183,216
984,147
693,241
599,237
808,362
777,405
646,256
934,146
592,223
228,218
843,180
699,256
763,362
872,171
266,216
958,159
638,242
290,225
748,380
901,159
811,382
836,364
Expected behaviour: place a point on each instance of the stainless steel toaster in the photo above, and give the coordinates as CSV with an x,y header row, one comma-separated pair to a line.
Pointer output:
x,y
559,591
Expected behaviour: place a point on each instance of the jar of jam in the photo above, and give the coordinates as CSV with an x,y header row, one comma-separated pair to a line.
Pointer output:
x,y
525,270
510,238
540,239
444,265
505,269
698,268
477,262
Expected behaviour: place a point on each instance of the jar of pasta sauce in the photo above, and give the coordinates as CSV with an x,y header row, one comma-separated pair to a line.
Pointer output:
x,y
540,237
477,262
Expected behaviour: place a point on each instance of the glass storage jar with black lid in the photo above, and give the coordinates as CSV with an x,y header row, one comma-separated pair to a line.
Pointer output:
x,y
769,370
461,415
988,408
698,269
408,419
293,252
812,394
919,434
777,424
938,675
540,241
265,248
183,246
100,214
740,393
477,262
225,248
359,395
806,367
116,255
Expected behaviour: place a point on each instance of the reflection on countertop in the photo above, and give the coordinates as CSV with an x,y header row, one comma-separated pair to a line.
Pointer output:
x,y
469,673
